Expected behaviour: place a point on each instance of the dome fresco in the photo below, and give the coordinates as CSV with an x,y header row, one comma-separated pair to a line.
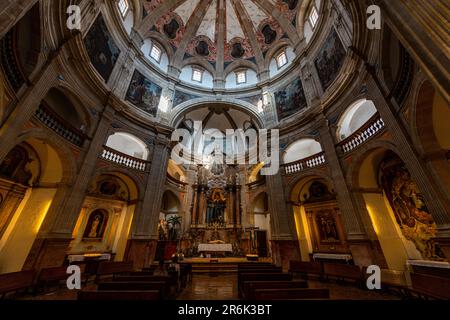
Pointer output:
x,y
257,53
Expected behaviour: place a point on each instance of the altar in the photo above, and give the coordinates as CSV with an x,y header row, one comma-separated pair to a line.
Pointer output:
x,y
215,247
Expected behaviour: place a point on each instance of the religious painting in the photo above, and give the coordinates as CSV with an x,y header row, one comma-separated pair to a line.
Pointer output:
x,y
101,48
181,97
330,59
327,226
144,94
14,166
96,225
408,204
216,207
290,99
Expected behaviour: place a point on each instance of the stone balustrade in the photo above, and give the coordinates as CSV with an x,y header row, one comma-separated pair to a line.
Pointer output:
x,y
304,164
123,159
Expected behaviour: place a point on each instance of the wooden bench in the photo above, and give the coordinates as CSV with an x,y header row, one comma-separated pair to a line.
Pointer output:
x,y
142,278
113,268
291,294
16,281
342,272
161,287
429,286
249,287
86,295
261,277
306,268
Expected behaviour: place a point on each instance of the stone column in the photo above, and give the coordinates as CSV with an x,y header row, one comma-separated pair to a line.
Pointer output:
x,y
422,28
27,106
141,246
285,245
56,231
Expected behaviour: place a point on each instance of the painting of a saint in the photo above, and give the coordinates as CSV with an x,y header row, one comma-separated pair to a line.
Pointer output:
x,y
95,226
144,94
408,204
216,207
327,226
330,60
101,48
290,99
181,97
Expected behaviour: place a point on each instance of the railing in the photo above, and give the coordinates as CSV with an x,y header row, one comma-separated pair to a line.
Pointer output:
x,y
372,127
54,122
255,184
303,164
123,159
177,183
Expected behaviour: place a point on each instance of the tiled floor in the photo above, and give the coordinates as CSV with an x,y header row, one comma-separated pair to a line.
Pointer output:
x,y
224,287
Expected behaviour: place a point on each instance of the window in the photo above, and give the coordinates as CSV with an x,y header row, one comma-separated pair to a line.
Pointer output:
x,y
282,59
155,53
197,75
241,77
123,7
313,17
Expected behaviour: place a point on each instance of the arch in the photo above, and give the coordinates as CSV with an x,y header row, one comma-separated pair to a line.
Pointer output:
x,y
162,42
301,17
132,181
185,107
67,107
68,163
274,49
354,117
129,144
301,149
240,63
199,61
170,201
432,130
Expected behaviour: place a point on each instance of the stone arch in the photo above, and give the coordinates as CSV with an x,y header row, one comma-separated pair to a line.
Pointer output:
x,y
274,49
162,42
178,112
314,143
241,63
202,62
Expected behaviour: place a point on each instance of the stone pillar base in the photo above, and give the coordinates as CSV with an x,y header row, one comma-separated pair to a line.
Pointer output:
x,y
284,251
141,252
367,252
47,253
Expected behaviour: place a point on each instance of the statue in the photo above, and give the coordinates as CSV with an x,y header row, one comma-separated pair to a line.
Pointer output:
x,y
216,207
93,233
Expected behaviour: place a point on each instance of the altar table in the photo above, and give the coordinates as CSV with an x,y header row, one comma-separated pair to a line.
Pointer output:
x,y
212,247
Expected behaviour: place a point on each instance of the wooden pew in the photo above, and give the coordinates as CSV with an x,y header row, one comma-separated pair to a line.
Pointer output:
x,y
51,276
291,294
161,287
306,268
429,286
261,277
249,287
87,295
342,272
113,268
142,278
16,281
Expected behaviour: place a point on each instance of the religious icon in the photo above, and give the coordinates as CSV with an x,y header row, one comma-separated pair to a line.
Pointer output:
x,y
216,207
96,225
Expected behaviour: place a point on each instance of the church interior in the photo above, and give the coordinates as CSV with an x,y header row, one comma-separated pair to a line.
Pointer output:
x,y
134,161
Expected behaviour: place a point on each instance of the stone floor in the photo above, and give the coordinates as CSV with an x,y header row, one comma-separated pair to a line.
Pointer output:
x,y
224,287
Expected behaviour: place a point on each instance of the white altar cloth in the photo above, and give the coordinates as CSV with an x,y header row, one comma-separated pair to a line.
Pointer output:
x,y
215,247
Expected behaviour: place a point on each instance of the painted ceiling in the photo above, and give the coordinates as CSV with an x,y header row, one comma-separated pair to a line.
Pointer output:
x,y
234,26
